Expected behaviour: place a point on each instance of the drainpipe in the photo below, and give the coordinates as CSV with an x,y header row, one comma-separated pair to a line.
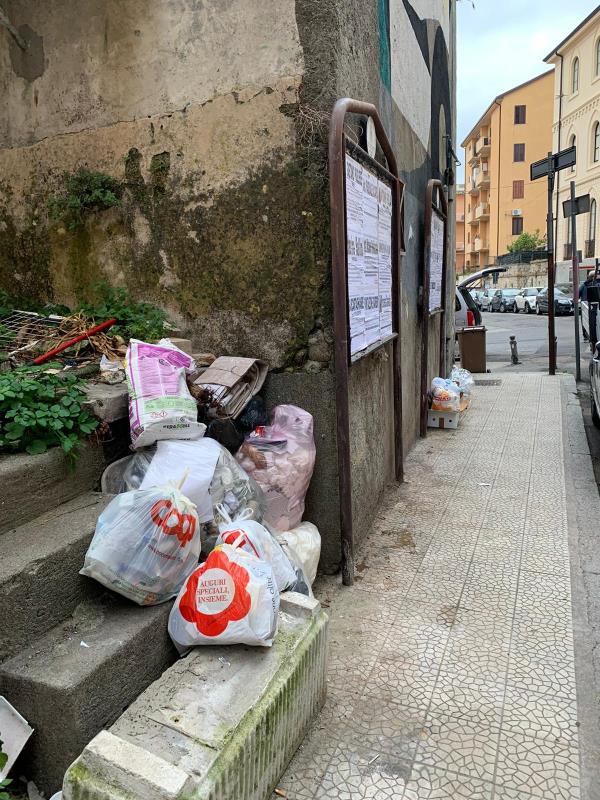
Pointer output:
x,y
498,190
560,108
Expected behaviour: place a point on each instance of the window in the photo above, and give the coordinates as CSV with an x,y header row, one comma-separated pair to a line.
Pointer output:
x,y
596,142
592,228
518,190
575,76
597,59
520,115
519,152
517,226
468,238
573,143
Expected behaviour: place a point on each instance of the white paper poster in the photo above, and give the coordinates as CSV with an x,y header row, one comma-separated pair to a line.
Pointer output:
x,y
355,251
436,262
385,259
371,274
369,252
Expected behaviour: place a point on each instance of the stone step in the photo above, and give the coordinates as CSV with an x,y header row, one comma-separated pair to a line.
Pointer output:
x,y
81,676
221,724
40,585
32,485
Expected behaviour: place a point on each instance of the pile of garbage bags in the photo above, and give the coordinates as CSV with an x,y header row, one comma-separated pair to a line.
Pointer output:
x,y
453,393
221,533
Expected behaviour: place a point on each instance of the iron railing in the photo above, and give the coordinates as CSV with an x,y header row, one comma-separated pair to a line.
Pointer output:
x,y
524,257
590,248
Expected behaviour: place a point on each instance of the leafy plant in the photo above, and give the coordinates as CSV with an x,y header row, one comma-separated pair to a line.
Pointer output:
x,y
39,410
6,782
526,242
135,319
84,191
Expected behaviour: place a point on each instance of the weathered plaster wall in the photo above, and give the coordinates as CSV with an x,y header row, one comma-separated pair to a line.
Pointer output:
x,y
191,106
213,115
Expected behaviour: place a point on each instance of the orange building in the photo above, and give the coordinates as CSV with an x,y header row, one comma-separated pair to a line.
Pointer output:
x,y
501,201
459,203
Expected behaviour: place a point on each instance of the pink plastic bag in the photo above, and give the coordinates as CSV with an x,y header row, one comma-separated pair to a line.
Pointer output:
x,y
281,457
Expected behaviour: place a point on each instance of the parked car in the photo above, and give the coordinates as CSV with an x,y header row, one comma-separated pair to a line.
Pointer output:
x,y
466,312
504,300
486,298
562,303
526,300
477,294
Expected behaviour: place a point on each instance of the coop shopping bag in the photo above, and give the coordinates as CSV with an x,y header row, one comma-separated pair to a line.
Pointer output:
x,y
146,544
160,403
255,538
230,599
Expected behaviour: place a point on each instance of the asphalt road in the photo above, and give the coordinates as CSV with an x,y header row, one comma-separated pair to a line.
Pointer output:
x,y
532,341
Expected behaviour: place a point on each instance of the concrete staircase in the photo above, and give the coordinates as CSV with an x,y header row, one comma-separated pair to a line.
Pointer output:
x,y
72,655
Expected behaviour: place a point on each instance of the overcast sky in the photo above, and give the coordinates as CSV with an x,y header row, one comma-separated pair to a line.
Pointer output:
x,y
502,43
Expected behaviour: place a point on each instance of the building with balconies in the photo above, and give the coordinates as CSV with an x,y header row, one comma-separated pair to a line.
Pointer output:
x,y
501,201
459,204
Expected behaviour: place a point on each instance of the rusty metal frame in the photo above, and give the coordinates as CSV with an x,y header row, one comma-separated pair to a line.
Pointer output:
x,y
339,269
432,207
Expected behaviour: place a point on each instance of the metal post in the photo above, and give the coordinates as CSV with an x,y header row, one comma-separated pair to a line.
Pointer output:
x,y
575,264
551,261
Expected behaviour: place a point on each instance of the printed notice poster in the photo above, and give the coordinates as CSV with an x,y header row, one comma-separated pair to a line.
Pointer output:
x,y
436,263
371,239
355,251
385,259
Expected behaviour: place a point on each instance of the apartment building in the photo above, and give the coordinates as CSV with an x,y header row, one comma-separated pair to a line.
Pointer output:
x,y
459,204
577,122
501,201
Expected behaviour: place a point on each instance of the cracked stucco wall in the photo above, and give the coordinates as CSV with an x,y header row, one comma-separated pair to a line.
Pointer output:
x,y
230,241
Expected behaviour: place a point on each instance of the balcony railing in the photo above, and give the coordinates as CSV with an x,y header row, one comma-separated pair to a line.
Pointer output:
x,y
473,185
590,248
482,211
480,245
485,146
482,179
460,247
568,251
460,217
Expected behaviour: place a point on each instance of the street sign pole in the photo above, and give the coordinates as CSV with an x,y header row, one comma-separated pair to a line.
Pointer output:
x,y
548,167
575,263
551,261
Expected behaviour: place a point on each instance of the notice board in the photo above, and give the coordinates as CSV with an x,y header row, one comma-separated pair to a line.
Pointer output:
x,y
436,262
369,253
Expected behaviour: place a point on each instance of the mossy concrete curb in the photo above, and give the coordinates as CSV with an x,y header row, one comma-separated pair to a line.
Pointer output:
x,y
221,724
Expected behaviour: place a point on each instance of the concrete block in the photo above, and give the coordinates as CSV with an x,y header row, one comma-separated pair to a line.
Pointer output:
x,y
76,680
40,561
32,485
229,717
299,605
138,771
107,402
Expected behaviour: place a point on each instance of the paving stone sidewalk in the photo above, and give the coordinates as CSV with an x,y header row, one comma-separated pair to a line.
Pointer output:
x,y
452,671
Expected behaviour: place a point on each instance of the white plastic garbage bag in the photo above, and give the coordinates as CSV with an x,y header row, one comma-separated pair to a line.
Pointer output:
x,y
146,544
160,403
254,538
304,542
445,395
230,599
199,458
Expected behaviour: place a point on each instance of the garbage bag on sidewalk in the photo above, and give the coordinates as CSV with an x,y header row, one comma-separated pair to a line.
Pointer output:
x,y
146,544
445,395
281,458
304,542
229,487
160,403
254,538
230,599
463,379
